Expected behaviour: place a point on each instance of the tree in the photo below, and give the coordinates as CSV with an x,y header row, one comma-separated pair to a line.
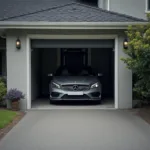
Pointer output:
x,y
139,58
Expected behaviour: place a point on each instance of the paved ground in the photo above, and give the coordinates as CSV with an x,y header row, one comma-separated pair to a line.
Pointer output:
x,y
78,130
43,104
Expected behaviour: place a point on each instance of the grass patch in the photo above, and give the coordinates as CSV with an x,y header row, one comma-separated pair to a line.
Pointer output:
x,y
6,117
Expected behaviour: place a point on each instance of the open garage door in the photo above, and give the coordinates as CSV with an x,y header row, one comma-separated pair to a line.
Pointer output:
x,y
72,43
48,55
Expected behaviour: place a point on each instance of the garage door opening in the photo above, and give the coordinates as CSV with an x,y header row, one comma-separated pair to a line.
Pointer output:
x,y
48,55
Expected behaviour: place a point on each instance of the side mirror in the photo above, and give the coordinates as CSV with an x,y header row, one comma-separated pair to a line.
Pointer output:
x,y
100,74
50,75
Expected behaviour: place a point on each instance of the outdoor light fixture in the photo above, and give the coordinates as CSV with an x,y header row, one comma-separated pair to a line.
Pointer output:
x,y
18,44
125,44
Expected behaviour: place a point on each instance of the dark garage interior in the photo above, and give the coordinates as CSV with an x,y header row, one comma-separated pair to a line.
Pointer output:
x,y
48,55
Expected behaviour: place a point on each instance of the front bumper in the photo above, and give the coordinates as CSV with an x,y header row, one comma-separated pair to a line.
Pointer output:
x,y
91,94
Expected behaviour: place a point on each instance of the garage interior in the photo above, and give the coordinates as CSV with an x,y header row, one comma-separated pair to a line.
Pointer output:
x,y
48,55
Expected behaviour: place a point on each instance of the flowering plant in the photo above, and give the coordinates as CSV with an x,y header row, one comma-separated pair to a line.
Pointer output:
x,y
14,95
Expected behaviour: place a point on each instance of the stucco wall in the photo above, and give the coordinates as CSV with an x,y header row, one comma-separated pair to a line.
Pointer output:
x,y
124,79
129,7
17,65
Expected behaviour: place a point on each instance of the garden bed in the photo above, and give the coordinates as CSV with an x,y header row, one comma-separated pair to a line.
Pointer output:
x,y
8,119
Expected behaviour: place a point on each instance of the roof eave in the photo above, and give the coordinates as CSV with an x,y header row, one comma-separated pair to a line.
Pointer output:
x,y
66,25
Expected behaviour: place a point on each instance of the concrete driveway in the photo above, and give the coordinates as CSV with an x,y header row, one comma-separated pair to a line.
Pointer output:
x,y
78,130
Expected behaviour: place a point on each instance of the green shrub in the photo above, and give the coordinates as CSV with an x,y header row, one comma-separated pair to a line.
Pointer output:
x,y
3,79
3,91
139,59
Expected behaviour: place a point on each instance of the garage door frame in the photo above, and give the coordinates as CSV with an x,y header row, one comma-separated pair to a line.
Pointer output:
x,y
67,37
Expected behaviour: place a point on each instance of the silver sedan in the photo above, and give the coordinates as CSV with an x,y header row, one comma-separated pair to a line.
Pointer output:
x,y
68,86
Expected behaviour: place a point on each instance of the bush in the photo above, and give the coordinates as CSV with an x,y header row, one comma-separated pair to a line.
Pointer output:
x,y
139,59
3,91
3,79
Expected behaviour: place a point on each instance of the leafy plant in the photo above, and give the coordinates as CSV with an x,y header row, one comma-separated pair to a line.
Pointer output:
x,y
139,58
3,79
3,91
14,94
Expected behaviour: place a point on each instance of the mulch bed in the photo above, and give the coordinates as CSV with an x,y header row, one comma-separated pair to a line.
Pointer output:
x,y
5,130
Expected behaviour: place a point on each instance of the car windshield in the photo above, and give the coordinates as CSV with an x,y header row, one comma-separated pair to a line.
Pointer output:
x,y
64,71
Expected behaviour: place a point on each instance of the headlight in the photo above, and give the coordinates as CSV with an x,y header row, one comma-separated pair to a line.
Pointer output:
x,y
95,85
55,85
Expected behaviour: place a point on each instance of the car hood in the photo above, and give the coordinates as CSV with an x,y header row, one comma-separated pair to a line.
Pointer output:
x,y
66,80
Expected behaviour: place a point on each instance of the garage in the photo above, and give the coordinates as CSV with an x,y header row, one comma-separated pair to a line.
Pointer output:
x,y
47,55
58,26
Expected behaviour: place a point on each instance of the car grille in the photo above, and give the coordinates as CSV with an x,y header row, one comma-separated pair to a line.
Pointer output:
x,y
75,97
75,87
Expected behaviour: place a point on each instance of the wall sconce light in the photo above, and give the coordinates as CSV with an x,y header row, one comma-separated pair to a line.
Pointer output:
x,y
18,44
125,44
